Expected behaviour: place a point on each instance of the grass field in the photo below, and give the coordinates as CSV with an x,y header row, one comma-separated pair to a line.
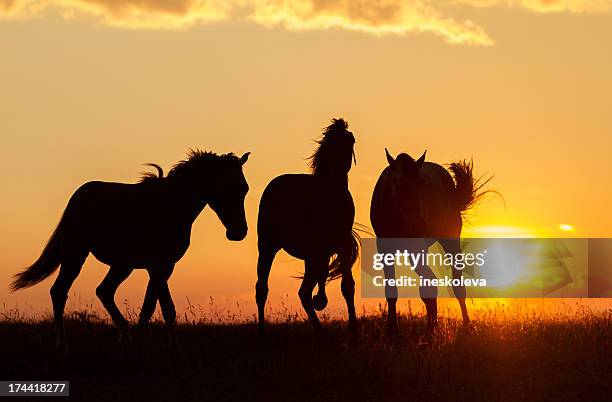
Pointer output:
x,y
504,356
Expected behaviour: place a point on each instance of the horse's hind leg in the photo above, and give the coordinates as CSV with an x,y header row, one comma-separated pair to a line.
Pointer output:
x,y
106,293
69,270
347,286
312,274
429,296
319,301
391,295
453,246
264,264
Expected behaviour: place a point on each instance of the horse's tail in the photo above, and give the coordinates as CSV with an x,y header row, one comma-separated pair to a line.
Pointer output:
x,y
46,264
468,189
345,258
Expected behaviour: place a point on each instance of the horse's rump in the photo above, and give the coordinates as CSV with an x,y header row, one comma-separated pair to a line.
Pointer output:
x,y
435,210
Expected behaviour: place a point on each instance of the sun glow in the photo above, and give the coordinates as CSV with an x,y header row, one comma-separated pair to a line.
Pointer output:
x,y
566,227
502,231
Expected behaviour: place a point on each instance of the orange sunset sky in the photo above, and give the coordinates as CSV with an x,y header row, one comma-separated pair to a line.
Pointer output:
x,y
92,89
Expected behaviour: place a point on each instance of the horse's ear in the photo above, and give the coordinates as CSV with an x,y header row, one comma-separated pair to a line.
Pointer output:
x,y
389,158
420,161
244,158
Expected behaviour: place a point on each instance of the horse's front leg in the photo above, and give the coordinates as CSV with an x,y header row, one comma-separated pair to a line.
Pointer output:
x,y
169,313
311,277
264,264
148,305
319,301
159,277
348,291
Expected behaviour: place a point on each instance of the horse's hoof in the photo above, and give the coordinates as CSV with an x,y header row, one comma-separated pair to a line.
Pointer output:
x,y
60,345
320,337
144,336
392,327
317,329
319,301
174,345
262,334
353,334
425,341
353,328
466,328
126,338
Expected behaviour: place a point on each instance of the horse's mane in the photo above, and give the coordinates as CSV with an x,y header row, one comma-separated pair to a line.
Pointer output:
x,y
147,177
318,162
195,158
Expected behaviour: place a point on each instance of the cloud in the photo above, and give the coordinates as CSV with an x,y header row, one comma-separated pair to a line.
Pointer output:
x,y
19,8
152,14
545,6
378,17
163,14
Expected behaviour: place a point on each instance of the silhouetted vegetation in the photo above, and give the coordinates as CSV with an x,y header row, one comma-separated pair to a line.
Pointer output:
x,y
504,356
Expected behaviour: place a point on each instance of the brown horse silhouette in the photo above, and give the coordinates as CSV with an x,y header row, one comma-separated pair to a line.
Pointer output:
x,y
420,200
311,217
144,225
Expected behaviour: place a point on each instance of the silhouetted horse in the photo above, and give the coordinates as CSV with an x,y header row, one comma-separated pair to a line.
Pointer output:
x,y
311,217
418,199
144,225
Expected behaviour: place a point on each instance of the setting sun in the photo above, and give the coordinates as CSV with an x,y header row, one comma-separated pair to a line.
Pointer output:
x,y
566,228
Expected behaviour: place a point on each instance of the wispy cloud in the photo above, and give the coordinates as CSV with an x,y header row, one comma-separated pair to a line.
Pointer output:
x,y
19,8
545,6
375,17
378,17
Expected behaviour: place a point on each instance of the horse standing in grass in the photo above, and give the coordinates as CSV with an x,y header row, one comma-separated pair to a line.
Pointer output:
x,y
311,217
418,199
144,225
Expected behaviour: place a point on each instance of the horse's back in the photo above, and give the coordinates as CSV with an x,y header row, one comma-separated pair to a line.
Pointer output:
x,y
123,223
298,211
102,201
283,197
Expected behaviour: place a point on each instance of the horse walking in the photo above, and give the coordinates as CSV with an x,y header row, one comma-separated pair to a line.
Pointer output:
x,y
143,225
418,199
311,217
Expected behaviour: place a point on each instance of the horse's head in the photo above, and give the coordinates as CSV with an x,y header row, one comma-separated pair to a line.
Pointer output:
x,y
335,153
408,184
406,169
227,197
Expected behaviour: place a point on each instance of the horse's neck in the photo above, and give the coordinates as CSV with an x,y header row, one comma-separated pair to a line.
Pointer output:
x,y
335,182
405,215
186,204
